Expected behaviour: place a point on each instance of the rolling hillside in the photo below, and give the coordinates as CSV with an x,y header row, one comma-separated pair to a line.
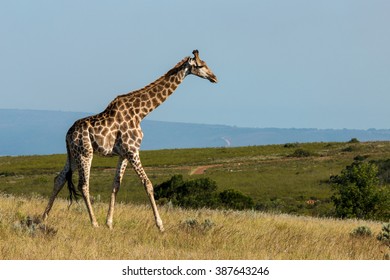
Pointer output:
x,y
276,178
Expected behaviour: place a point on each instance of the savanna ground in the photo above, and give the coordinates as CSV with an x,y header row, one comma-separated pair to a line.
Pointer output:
x,y
277,177
190,234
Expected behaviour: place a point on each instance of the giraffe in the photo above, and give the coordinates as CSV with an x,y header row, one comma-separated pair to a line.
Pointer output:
x,y
117,131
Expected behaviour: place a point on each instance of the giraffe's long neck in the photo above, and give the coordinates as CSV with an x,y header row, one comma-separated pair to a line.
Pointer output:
x,y
156,95
145,100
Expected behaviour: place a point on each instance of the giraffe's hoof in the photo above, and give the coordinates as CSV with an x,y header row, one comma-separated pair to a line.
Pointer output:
x,y
109,225
95,224
159,224
161,228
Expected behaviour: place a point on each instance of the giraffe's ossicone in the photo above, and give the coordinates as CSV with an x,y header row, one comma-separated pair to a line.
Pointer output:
x,y
117,131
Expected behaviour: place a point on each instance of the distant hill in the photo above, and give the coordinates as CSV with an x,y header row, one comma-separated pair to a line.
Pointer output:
x,y
27,132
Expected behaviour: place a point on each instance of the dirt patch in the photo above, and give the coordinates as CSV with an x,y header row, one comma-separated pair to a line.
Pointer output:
x,y
201,169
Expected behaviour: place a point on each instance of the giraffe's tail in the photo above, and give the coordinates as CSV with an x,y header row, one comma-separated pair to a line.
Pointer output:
x,y
73,194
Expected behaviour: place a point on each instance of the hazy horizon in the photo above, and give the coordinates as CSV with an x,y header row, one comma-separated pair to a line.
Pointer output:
x,y
30,132
198,123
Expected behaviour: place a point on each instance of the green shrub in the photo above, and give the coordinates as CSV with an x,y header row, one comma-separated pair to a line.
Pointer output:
x,y
33,226
383,170
233,199
196,193
301,153
349,149
362,231
291,145
7,174
384,235
357,193
168,188
354,140
200,193
360,158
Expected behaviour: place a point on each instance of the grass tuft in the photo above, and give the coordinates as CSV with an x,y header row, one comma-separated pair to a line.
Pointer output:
x,y
361,231
34,227
193,225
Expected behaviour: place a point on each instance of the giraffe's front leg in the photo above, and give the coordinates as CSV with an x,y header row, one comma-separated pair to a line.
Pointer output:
x,y
120,170
136,163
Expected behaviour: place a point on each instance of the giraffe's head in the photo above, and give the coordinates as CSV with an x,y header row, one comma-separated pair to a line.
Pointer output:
x,y
199,68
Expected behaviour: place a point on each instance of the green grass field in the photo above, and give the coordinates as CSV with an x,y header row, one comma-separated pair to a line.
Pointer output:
x,y
276,180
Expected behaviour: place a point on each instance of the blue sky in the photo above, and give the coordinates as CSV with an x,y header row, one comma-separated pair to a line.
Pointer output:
x,y
302,64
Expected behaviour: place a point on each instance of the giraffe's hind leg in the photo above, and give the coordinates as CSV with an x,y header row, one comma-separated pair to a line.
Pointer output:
x,y
84,167
59,182
136,163
120,170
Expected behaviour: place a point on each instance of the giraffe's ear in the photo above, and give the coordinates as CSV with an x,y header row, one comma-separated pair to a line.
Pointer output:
x,y
196,56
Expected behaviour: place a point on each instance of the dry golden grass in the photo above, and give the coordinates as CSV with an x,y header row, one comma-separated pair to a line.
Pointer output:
x,y
215,235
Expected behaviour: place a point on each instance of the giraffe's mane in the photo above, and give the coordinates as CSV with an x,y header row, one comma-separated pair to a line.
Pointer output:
x,y
173,71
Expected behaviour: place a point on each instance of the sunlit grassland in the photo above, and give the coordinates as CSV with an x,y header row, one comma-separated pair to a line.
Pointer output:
x,y
214,235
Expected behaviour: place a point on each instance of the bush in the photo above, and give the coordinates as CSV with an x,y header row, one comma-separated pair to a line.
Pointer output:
x,y
291,145
383,170
235,200
197,194
357,193
168,188
200,193
354,140
188,194
349,149
33,226
360,158
301,153
384,235
362,231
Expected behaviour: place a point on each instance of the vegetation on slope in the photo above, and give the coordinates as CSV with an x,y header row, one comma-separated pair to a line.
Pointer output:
x,y
291,178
